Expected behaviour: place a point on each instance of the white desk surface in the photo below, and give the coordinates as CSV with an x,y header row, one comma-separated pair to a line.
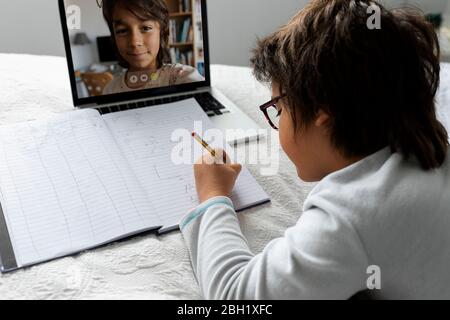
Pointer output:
x,y
146,267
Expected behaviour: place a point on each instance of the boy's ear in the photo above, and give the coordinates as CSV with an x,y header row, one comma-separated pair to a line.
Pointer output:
x,y
322,120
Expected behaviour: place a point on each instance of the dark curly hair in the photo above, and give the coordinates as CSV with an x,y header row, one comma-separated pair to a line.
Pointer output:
x,y
377,85
145,10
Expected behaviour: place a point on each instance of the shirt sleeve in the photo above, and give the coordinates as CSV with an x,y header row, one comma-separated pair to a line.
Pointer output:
x,y
321,257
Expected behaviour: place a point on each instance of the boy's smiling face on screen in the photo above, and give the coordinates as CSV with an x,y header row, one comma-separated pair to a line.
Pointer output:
x,y
138,41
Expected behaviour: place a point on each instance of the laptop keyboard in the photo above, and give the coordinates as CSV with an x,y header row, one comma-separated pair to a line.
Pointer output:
x,y
209,104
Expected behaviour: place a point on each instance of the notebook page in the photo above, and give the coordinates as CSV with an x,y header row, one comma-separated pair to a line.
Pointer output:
x,y
145,137
66,187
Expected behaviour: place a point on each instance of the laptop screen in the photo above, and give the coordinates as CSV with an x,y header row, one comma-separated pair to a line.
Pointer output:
x,y
118,47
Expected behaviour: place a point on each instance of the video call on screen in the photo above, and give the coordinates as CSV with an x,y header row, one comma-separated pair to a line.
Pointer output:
x,y
121,46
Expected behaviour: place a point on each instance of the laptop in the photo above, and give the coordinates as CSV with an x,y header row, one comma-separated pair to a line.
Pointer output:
x,y
108,72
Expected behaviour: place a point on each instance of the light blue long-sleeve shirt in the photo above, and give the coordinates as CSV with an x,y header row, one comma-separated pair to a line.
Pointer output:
x,y
383,212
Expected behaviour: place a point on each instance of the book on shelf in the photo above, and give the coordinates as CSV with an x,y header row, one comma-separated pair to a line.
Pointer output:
x,y
199,32
201,68
185,30
172,31
173,55
184,5
185,57
180,33
190,37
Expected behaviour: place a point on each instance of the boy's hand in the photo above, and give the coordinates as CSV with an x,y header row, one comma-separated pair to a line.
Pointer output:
x,y
213,178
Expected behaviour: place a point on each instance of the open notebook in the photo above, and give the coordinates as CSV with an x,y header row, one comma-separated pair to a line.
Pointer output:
x,y
80,180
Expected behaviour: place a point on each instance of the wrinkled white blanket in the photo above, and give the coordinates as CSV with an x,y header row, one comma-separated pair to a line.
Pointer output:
x,y
145,267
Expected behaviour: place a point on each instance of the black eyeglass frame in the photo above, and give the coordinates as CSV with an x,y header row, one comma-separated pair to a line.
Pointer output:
x,y
269,104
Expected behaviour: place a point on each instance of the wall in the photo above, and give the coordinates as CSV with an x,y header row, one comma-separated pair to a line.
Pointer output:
x,y
91,18
30,27
33,26
235,25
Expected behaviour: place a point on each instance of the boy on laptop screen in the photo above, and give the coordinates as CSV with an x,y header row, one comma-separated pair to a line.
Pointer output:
x,y
153,42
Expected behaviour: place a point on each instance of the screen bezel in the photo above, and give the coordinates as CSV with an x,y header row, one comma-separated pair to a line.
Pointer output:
x,y
138,94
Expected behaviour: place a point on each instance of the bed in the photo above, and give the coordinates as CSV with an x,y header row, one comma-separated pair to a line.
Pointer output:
x,y
146,267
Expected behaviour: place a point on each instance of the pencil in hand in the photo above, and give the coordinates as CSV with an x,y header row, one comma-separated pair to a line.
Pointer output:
x,y
205,145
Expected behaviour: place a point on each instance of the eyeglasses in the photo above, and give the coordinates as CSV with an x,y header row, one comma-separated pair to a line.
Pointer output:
x,y
272,111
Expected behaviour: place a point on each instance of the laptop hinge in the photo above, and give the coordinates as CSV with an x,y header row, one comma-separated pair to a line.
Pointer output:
x,y
88,106
96,105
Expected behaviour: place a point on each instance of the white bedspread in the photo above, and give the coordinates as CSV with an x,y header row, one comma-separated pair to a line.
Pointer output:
x,y
146,267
